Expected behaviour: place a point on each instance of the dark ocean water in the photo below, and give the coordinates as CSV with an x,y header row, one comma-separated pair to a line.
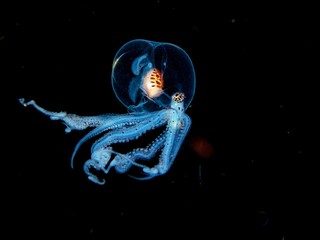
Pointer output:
x,y
243,162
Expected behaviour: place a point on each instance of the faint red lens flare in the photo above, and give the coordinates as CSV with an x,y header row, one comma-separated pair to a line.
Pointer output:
x,y
202,147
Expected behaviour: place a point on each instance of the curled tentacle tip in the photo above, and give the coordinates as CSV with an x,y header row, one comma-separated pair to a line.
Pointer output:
x,y
96,180
22,101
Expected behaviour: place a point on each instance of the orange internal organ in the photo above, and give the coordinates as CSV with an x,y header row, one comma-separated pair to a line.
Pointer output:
x,y
153,83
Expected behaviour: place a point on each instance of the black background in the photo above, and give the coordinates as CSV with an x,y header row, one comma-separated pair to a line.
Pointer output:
x,y
255,68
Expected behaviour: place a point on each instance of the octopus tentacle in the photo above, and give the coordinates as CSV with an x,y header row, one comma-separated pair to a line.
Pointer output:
x,y
131,132
113,122
174,141
141,154
121,128
177,129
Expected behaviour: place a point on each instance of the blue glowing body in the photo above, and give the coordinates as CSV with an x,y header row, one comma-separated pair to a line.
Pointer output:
x,y
146,79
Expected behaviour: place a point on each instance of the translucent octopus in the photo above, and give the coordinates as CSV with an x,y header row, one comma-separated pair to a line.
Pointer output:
x,y
156,82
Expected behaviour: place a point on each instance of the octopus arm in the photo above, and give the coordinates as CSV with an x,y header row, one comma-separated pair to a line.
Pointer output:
x,y
174,140
113,122
126,134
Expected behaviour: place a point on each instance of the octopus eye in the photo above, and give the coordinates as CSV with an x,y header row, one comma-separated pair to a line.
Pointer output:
x,y
178,97
153,83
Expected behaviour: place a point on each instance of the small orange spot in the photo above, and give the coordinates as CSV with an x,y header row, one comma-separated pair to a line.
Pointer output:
x,y
202,147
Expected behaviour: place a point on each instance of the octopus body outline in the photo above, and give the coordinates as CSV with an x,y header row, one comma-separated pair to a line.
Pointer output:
x,y
152,107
